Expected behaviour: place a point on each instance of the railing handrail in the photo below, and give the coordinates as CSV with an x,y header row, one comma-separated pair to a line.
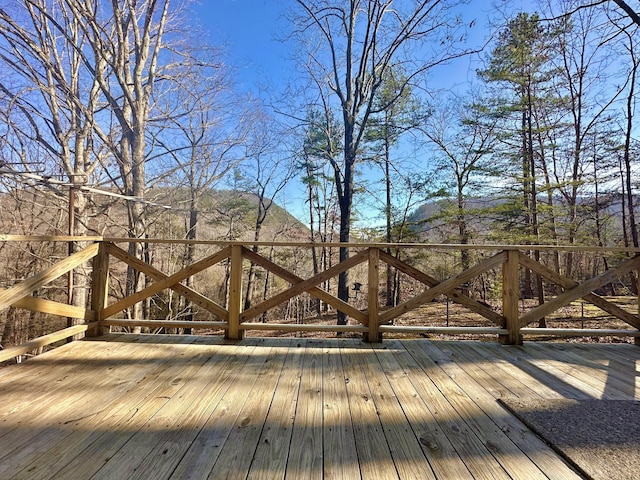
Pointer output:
x,y
357,244
507,323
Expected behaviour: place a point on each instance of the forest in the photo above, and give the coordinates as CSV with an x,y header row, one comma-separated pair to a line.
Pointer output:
x,y
121,119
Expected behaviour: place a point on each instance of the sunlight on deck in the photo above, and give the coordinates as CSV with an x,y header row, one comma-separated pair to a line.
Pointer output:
x,y
127,406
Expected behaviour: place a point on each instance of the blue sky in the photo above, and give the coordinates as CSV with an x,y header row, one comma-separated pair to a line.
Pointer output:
x,y
248,29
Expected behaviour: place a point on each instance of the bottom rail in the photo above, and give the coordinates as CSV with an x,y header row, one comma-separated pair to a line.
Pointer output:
x,y
580,332
444,330
116,322
43,341
298,327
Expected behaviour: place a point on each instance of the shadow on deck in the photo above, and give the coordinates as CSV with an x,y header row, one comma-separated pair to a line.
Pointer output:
x,y
143,406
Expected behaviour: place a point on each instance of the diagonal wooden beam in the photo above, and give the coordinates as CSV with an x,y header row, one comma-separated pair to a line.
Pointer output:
x,y
28,286
305,286
455,294
571,287
315,291
167,282
443,287
42,305
181,289
43,341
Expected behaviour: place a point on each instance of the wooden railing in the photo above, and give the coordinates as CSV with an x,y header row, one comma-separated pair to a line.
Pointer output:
x,y
506,320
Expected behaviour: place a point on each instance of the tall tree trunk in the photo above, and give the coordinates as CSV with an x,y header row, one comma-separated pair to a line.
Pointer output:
x,y
633,228
345,201
390,300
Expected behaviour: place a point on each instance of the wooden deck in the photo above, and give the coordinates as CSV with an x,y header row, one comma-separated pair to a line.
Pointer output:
x,y
169,407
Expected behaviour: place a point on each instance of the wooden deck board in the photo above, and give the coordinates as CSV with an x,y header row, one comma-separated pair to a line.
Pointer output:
x,y
479,425
528,443
406,450
437,447
272,451
305,461
339,440
170,407
374,453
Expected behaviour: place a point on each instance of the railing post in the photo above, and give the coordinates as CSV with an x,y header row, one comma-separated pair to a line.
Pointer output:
x,y
99,288
374,334
510,297
235,294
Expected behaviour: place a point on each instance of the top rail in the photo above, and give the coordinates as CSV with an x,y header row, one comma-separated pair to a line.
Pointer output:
x,y
381,245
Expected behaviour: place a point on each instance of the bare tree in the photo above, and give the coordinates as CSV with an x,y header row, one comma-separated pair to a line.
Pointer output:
x,y
465,139
268,170
320,143
52,106
350,47
583,64
204,139
126,60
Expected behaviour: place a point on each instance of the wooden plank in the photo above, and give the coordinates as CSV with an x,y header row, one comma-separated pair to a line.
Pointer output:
x,y
406,450
48,238
373,301
99,287
548,376
51,425
340,453
305,286
305,455
483,371
43,341
35,304
443,287
580,332
230,413
510,298
374,453
418,246
272,452
301,327
315,291
477,458
101,412
443,330
234,460
28,286
164,439
580,291
555,377
496,374
167,282
455,294
593,376
121,322
617,372
440,453
486,419
195,297
531,447
50,373
83,441
620,363
235,295
121,417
